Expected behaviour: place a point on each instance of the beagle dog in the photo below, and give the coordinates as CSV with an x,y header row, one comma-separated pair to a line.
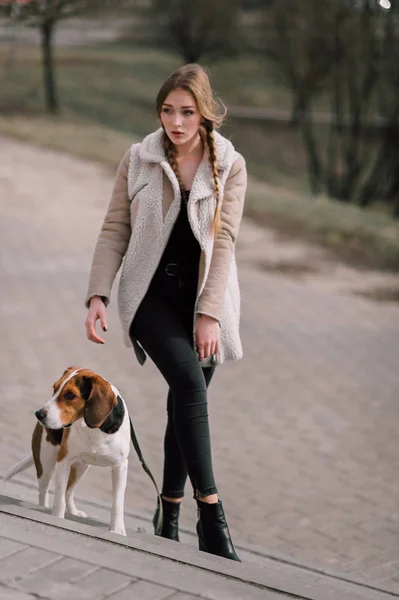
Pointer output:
x,y
85,423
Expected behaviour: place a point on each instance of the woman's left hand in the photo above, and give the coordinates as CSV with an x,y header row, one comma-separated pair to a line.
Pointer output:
x,y
207,336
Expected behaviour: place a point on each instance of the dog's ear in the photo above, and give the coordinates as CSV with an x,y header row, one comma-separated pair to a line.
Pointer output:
x,y
99,397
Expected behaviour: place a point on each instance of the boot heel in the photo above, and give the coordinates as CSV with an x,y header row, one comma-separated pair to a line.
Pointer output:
x,y
201,545
170,526
213,532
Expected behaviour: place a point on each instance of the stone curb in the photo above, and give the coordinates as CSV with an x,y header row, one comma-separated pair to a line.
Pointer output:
x,y
251,549
275,577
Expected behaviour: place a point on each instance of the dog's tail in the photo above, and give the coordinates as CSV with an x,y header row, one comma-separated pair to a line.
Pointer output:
x,y
18,467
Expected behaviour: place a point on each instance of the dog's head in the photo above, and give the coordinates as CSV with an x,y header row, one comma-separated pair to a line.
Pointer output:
x,y
78,393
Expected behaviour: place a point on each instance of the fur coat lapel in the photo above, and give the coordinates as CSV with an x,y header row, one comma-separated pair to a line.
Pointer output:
x,y
150,231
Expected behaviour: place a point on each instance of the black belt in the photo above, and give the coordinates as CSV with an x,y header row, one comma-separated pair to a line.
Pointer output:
x,y
178,270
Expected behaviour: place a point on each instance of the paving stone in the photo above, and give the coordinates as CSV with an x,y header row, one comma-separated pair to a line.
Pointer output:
x,y
141,564
7,593
24,562
227,595
180,596
101,581
143,590
385,572
158,561
9,547
57,581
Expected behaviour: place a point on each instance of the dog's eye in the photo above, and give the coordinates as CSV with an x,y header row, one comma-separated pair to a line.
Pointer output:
x,y
69,396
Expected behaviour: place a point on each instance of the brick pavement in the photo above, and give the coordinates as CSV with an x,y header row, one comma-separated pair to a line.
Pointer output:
x,y
38,560
45,557
304,427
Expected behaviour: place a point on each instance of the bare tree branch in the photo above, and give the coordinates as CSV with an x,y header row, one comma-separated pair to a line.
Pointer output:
x,y
45,15
195,28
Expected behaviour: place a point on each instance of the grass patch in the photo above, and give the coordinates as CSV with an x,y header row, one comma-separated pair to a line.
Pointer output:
x,y
292,268
273,152
79,138
381,294
107,96
363,238
106,86
114,86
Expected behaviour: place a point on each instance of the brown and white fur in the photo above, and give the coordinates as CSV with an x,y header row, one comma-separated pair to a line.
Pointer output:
x,y
85,423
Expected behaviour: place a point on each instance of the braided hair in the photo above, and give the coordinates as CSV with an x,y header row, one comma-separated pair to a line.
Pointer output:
x,y
210,141
194,79
171,155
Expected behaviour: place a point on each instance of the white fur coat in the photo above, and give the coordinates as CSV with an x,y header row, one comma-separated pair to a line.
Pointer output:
x,y
150,233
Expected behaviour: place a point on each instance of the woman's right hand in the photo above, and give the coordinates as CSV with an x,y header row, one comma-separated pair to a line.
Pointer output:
x,y
96,311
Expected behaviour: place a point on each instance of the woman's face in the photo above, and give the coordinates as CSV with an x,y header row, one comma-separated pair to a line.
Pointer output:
x,y
180,117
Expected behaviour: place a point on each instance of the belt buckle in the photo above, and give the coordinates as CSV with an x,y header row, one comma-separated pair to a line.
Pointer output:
x,y
167,269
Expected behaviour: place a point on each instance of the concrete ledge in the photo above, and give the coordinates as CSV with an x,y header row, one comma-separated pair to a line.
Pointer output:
x,y
273,576
23,488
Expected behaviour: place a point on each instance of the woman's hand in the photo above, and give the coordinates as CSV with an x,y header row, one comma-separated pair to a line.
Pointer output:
x,y
207,336
96,311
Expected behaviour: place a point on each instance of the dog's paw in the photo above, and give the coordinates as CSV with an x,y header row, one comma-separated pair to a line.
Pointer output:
x,y
79,513
119,529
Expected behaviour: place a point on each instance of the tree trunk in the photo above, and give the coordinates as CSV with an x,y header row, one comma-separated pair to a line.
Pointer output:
x,y
315,171
336,169
47,30
360,96
190,56
296,110
381,163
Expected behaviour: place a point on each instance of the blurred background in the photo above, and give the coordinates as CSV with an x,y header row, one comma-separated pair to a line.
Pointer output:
x,y
305,425
311,89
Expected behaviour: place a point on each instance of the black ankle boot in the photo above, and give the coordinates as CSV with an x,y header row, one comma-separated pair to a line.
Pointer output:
x,y
170,524
213,532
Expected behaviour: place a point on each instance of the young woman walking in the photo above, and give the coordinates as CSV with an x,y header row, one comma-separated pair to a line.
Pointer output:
x,y
173,220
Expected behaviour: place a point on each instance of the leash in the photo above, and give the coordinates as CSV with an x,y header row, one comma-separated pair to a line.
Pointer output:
x,y
158,521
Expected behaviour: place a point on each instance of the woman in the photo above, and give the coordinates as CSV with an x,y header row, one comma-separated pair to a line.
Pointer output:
x,y
174,215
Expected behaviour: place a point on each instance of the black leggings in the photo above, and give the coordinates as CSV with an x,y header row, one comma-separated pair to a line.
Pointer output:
x,y
164,327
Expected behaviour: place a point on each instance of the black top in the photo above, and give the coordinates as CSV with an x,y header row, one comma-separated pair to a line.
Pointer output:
x,y
182,247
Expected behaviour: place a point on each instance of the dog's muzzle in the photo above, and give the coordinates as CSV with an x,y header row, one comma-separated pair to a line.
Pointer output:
x,y
40,415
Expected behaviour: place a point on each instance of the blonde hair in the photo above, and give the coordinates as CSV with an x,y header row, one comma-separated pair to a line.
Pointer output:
x,y
194,79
